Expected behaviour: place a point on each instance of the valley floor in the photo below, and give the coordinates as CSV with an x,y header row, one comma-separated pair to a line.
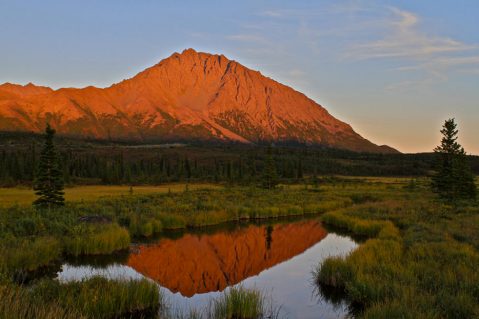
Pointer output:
x,y
24,196
420,258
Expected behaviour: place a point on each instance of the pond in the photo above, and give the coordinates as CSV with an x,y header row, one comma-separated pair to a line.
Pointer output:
x,y
191,268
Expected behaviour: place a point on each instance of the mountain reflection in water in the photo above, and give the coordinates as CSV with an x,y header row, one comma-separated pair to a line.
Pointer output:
x,y
204,263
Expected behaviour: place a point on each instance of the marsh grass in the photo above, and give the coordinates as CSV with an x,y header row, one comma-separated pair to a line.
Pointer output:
x,y
413,265
233,303
239,303
95,239
98,297
242,303
420,258
18,303
93,298
22,255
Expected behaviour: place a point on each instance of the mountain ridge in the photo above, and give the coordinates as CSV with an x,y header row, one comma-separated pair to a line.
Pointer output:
x,y
187,96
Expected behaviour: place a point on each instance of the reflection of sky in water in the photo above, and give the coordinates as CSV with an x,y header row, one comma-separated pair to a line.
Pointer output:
x,y
289,284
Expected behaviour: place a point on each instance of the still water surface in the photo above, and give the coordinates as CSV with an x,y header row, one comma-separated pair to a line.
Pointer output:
x,y
191,268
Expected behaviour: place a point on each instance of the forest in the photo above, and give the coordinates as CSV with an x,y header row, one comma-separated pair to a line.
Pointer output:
x,y
102,162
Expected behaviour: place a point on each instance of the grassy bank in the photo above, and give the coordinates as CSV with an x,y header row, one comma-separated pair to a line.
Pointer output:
x,y
421,259
93,298
100,298
33,239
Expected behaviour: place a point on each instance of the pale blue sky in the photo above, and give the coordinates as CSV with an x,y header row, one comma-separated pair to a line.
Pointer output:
x,y
394,70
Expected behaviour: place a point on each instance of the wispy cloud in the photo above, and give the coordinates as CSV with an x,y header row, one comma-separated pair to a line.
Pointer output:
x,y
405,39
404,42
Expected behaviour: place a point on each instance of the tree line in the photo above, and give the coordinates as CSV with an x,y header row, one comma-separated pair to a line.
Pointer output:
x,y
100,164
452,176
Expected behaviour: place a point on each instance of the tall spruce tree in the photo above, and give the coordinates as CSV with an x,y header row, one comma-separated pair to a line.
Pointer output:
x,y
48,185
453,178
270,176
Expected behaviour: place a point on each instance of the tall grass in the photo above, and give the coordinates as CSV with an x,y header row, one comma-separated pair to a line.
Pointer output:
x,y
422,271
94,239
241,303
21,255
93,298
102,298
18,303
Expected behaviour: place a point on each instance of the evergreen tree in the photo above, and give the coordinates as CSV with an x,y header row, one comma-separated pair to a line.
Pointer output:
x,y
300,169
453,178
187,168
270,177
48,185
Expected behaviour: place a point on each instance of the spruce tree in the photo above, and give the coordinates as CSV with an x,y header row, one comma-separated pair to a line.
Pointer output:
x,y
48,185
187,168
270,176
453,178
300,169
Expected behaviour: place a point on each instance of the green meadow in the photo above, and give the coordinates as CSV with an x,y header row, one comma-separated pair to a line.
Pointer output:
x,y
24,196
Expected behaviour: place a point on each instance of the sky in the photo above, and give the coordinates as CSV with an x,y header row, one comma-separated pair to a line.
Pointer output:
x,y
394,70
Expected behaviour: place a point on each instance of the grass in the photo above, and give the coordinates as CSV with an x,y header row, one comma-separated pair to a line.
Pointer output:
x,y
241,303
100,298
88,239
20,256
108,223
234,303
93,298
18,303
24,196
420,260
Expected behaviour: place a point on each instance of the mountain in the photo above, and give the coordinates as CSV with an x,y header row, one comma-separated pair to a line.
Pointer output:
x,y
187,96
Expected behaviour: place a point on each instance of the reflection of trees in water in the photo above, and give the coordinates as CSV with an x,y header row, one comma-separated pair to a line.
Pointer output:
x,y
101,261
269,236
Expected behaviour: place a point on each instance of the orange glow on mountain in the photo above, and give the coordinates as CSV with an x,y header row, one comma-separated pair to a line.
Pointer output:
x,y
188,96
